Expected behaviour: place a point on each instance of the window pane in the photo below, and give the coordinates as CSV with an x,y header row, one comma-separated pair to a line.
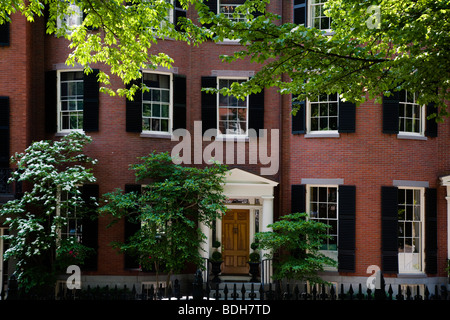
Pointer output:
x,y
156,110
165,111
164,125
147,110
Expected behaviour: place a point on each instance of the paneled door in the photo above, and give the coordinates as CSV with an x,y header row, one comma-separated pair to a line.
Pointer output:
x,y
235,241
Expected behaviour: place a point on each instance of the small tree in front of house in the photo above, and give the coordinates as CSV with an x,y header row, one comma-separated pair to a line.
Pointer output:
x,y
172,203
52,172
297,241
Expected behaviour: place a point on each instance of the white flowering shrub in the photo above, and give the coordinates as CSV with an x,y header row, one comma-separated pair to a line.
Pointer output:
x,y
47,170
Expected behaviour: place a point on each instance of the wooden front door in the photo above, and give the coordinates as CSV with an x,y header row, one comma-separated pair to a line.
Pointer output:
x,y
235,241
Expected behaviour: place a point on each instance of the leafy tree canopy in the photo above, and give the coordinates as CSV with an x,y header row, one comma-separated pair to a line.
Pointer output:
x,y
297,241
173,201
37,218
360,59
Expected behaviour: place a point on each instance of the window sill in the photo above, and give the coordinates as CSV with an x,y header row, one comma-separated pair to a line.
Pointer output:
x,y
411,136
323,134
411,275
156,135
65,133
232,138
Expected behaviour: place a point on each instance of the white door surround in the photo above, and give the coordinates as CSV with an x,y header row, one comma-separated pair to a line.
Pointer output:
x,y
259,192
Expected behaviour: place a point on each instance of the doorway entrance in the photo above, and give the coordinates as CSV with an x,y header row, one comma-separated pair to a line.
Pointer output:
x,y
235,241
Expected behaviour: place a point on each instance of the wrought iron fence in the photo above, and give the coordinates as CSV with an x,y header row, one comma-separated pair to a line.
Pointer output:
x,y
238,292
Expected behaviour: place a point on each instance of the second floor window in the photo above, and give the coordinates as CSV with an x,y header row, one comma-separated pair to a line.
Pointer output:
x,y
324,111
156,103
228,8
70,102
233,112
71,20
318,19
411,114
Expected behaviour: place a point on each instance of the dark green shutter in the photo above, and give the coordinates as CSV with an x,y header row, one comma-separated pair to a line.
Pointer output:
x,y
346,228
256,111
391,113
4,132
4,33
178,12
134,109
347,117
431,129
130,228
431,240
389,229
209,104
90,224
90,101
301,12
299,120
298,198
50,102
212,5
179,102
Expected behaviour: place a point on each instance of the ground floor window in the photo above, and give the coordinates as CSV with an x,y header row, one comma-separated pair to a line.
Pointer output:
x,y
323,208
410,229
3,263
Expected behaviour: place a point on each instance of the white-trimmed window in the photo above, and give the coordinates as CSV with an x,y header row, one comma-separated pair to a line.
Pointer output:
x,y
323,207
317,17
233,112
157,103
410,229
70,100
323,113
73,228
71,20
411,114
228,8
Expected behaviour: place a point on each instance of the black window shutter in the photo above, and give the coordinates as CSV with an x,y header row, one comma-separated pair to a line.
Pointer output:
x,y
301,12
130,228
179,102
391,113
389,229
178,12
134,110
90,101
212,5
4,132
90,224
346,229
256,111
431,125
347,117
298,198
4,33
299,120
50,102
209,104
431,231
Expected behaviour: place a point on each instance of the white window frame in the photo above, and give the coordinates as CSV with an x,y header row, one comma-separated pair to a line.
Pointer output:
x,y
226,135
403,256
422,118
171,94
333,254
78,219
320,133
310,14
230,16
77,14
59,109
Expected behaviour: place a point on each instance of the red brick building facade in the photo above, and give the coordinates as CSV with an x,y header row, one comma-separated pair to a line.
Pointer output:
x,y
349,167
